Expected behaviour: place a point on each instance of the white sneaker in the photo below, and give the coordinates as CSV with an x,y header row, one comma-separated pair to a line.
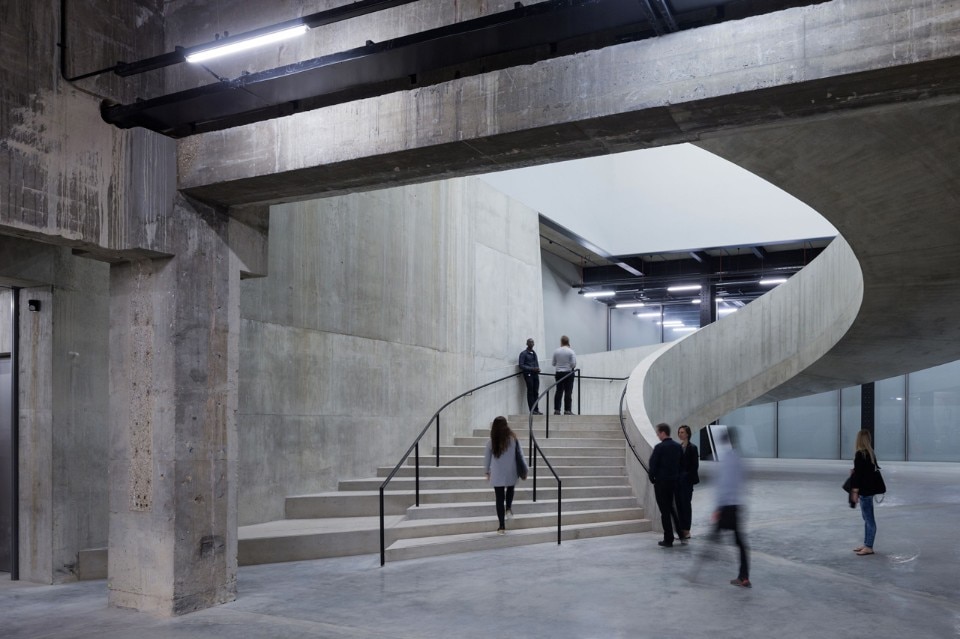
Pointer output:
x,y
501,531
509,514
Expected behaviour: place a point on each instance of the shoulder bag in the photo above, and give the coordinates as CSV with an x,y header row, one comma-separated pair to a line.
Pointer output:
x,y
518,457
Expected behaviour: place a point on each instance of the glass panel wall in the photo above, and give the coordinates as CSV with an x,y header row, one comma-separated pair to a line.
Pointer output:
x,y
850,412
933,414
809,427
889,434
756,429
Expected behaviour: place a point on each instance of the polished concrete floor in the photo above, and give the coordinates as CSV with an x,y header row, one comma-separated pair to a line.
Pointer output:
x,y
807,581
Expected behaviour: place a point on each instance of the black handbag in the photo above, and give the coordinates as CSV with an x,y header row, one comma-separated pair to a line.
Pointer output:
x,y
521,463
848,485
879,486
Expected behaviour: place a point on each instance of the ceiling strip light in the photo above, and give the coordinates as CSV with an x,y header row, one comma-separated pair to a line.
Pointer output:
x,y
647,315
631,305
772,281
600,294
683,287
242,45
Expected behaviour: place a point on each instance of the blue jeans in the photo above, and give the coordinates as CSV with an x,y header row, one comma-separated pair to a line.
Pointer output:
x,y
869,523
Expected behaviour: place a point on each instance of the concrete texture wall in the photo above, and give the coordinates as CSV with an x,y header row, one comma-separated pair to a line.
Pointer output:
x,y
71,178
602,397
63,413
378,308
838,55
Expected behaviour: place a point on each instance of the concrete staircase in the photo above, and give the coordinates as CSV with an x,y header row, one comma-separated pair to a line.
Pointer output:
x,y
456,512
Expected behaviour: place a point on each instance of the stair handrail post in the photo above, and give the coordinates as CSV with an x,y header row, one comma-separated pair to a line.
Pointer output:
x,y
547,420
416,465
579,394
535,472
438,439
559,507
383,547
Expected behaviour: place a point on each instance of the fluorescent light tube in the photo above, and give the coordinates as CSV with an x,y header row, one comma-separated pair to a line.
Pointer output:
x,y
684,329
600,294
683,287
696,301
669,323
772,281
647,315
631,305
243,45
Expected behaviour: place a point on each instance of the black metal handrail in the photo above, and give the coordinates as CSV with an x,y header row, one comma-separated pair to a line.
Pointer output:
x,y
623,427
535,448
415,449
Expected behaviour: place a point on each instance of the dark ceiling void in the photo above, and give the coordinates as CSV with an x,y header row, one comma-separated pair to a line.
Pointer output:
x,y
523,35
741,273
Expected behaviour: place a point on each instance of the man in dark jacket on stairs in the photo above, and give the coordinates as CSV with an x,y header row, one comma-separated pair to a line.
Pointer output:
x,y
664,473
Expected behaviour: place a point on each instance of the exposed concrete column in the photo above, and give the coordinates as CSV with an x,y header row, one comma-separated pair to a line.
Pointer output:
x,y
174,360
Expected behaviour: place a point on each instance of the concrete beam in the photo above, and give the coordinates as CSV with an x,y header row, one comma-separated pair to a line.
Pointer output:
x,y
801,63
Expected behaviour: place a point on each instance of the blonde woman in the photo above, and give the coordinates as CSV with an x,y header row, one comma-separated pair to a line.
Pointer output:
x,y
864,473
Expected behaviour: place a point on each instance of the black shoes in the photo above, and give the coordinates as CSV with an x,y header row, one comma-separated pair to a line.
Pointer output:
x,y
665,544
536,412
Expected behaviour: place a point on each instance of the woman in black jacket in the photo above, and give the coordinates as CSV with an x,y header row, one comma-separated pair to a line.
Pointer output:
x,y
863,489
689,465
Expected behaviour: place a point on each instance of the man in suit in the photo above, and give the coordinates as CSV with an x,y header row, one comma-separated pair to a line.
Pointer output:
x,y
664,474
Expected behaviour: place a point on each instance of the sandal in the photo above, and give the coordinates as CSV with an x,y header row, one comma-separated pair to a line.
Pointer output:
x,y
858,548
865,551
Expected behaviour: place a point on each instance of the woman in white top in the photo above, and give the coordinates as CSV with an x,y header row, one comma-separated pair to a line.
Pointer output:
x,y
503,463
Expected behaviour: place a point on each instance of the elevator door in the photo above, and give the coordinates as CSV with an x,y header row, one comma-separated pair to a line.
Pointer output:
x,y
6,462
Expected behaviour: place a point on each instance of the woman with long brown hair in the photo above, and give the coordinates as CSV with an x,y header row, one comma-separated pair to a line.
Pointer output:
x,y
503,463
863,489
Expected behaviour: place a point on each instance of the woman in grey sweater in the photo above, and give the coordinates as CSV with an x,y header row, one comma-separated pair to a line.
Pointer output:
x,y
503,463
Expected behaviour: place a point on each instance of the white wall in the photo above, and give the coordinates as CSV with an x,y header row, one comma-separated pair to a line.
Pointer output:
x,y
565,312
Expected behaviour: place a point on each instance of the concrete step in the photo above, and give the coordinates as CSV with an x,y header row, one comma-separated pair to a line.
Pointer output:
x,y
416,548
544,478
545,446
557,441
477,471
578,420
412,528
540,433
561,460
367,503
481,509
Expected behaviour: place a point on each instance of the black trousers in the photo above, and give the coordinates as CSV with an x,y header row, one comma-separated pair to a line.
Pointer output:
x,y
564,390
504,494
533,388
730,520
684,504
664,490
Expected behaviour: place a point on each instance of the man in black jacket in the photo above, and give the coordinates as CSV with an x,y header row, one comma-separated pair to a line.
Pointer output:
x,y
530,366
664,473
